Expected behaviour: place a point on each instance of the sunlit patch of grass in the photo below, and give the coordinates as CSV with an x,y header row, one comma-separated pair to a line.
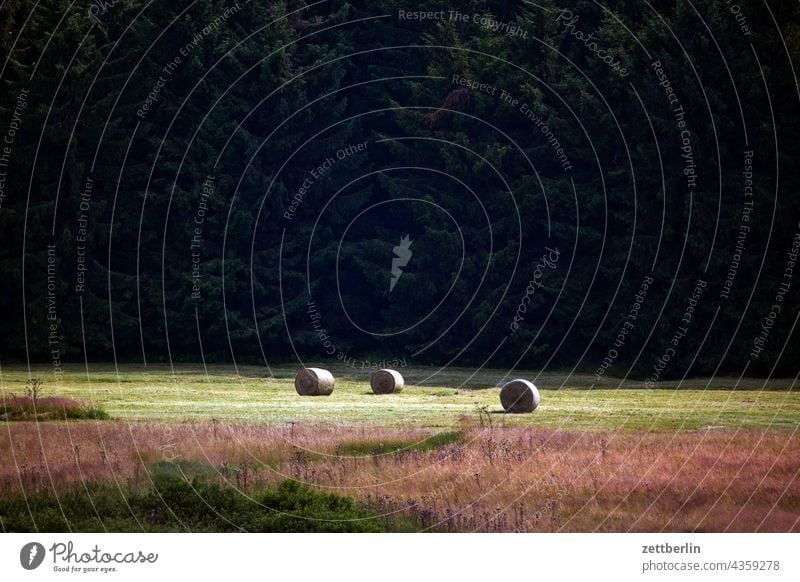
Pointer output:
x,y
430,400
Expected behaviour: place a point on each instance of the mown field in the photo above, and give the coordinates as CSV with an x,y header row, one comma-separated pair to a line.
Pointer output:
x,y
212,450
431,398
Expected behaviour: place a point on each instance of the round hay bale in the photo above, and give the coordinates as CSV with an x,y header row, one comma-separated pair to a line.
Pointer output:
x,y
386,382
313,382
519,396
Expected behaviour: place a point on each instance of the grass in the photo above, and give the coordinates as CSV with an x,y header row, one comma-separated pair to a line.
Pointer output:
x,y
175,504
48,408
509,479
386,447
430,399
440,456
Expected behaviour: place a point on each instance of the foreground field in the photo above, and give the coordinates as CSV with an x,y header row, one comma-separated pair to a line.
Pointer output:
x,y
215,451
475,479
431,399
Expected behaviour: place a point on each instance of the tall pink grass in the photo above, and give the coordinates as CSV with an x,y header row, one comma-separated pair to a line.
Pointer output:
x,y
510,479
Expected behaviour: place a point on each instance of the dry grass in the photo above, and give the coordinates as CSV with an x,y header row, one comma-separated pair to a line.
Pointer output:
x,y
509,479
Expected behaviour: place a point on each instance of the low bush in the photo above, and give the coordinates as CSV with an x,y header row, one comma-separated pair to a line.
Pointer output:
x,y
49,408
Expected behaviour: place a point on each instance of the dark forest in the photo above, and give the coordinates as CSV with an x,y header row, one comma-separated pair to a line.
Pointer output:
x,y
613,189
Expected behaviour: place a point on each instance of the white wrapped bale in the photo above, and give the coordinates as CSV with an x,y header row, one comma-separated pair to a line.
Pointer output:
x,y
519,396
387,382
313,382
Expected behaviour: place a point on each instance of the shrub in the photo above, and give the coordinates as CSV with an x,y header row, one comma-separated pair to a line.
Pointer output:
x,y
49,408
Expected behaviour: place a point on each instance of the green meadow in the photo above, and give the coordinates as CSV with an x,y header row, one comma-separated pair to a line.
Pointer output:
x,y
431,398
